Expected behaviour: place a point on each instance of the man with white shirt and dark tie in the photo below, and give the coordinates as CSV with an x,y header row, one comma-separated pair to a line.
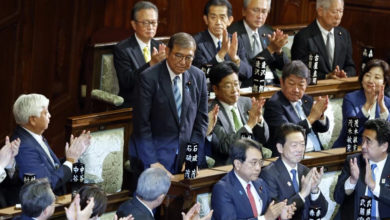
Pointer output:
x,y
35,155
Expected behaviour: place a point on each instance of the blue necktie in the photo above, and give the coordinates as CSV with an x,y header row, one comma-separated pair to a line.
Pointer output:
x,y
310,136
294,179
177,95
219,45
370,194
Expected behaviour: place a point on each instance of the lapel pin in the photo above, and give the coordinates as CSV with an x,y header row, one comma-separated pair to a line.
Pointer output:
x,y
240,192
261,189
288,183
383,181
340,33
263,35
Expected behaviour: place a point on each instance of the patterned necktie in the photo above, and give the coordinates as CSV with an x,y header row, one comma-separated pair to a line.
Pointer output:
x,y
177,95
370,194
219,45
255,45
251,199
311,137
294,179
329,49
146,54
236,120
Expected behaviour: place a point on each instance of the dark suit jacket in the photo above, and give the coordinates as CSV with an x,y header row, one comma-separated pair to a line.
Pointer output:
x,y
206,52
33,159
350,204
278,110
309,40
352,107
230,201
277,176
136,208
274,61
23,217
9,190
129,63
224,133
158,133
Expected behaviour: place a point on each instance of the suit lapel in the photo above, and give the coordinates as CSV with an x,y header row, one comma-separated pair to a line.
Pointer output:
x,y
285,177
135,52
306,105
289,109
166,86
224,119
240,194
338,46
241,109
209,44
187,90
263,37
317,36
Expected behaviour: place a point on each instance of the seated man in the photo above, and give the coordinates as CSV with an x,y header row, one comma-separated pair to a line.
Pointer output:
x,y
35,155
259,39
237,116
330,42
288,179
241,194
214,44
138,52
292,105
367,174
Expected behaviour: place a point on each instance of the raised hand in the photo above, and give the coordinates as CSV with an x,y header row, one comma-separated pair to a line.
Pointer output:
x,y
277,40
78,146
158,55
74,212
193,213
255,113
274,210
232,51
288,211
307,183
354,170
368,178
317,176
213,114
318,109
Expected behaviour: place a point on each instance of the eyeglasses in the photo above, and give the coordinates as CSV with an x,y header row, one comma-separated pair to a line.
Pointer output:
x,y
255,163
147,23
262,11
179,57
230,86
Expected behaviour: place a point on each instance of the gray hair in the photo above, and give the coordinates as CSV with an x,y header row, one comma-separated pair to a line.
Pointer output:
x,y
182,40
152,183
29,105
142,5
297,68
246,3
35,197
325,4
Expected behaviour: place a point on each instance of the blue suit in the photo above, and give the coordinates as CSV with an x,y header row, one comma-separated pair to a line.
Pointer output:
x,y
135,208
230,201
23,217
33,159
352,107
277,177
159,135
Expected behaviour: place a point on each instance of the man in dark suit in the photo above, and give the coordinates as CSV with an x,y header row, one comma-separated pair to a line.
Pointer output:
x,y
259,39
288,179
35,155
138,52
171,109
292,105
367,174
214,44
238,116
241,194
332,43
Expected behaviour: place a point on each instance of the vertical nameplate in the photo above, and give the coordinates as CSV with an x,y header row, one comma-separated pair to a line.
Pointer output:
x,y
191,161
313,67
258,73
367,55
352,134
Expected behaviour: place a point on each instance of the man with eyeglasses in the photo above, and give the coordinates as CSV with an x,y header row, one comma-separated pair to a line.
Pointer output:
x,y
288,179
138,52
238,116
331,42
241,194
260,39
215,45
171,109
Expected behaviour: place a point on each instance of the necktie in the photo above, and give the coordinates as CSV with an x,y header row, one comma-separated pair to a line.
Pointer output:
x,y
146,54
255,45
312,139
236,120
219,45
177,95
294,179
370,194
251,199
46,149
329,49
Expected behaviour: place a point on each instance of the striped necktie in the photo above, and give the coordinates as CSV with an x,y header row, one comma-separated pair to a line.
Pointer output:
x,y
370,194
312,139
177,95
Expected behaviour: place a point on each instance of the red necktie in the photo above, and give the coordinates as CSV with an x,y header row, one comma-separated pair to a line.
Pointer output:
x,y
251,200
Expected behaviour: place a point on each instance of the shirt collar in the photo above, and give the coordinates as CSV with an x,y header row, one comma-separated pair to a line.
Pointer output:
x,y
141,43
288,167
242,181
323,30
379,164
151,212
249,30
215,39
228,107
297,102
172,75
35,136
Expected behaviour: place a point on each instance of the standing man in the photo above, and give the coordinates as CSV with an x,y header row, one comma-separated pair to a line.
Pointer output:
x,y
289,179
171,109
259,39
215,45
367,174
331,42
138,52
292,105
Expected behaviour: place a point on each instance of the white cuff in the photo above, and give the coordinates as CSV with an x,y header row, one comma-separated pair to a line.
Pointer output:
x,y
209,137
348,185
314,196
219,60
69,164
384,115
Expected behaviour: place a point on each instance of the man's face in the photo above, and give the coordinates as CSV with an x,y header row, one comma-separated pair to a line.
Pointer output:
x,y
293,149
293,87
40,123
228,90
371,148
249,170
331,17
180,59
217,20
256,13
146,24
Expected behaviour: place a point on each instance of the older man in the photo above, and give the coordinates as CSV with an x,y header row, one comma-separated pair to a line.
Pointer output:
x,y
292,105
138,52
331,42
35,155
259,39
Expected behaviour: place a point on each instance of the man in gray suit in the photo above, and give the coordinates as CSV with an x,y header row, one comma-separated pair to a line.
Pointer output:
x,y
237,117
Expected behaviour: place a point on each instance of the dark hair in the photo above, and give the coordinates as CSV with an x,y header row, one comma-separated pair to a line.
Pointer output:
x,y
382,129
181,39
377,63
141,5
238,149
35,197
287,129
297,68
221,70
218,3
99,197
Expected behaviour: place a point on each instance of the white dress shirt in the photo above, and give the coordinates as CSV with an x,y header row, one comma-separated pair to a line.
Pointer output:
x,y
142,45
